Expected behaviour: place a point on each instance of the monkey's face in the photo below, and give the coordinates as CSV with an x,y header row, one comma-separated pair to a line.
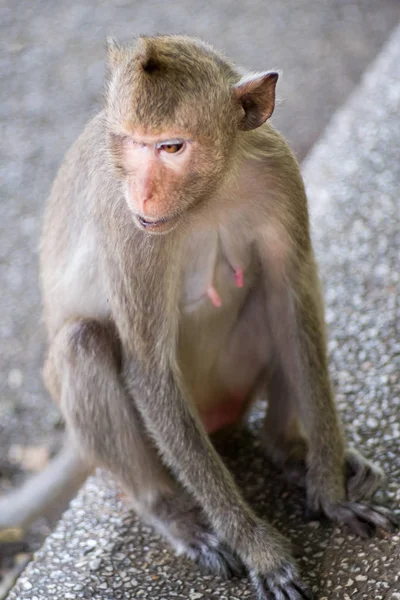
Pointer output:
x,y
172,122
165,174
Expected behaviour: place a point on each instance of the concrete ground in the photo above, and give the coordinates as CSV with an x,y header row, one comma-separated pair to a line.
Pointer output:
x,y
51,70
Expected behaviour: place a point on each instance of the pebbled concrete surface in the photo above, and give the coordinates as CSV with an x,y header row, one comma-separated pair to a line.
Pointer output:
x,y
100,551
353,180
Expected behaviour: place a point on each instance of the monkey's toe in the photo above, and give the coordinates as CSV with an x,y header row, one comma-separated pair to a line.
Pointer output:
x,y
283,583
364,519
216,557
362,476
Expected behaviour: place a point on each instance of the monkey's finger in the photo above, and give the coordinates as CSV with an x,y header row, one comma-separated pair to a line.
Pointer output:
x,y
281,584
345,515
394,519
362,476
216,557
291,591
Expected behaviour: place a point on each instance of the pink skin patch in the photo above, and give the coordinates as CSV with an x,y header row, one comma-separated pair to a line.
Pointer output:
x,y
225,413
213,294
239,278
214,297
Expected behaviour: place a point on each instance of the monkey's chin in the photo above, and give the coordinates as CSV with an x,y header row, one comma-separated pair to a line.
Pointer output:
x,y
160,226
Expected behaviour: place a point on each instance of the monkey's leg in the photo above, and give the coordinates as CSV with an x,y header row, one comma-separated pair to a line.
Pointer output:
x,y
84,360
285,445
281,437
329,464
301,347
55,486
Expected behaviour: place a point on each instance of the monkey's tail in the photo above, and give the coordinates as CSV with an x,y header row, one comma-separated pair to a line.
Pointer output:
x,y
51,489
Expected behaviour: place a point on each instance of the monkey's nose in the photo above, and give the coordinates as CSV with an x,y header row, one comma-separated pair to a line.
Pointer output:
x,y
148,197
147,206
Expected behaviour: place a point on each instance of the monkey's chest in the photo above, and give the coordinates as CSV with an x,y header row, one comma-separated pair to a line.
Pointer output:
x,y
217,281
217,274
215,278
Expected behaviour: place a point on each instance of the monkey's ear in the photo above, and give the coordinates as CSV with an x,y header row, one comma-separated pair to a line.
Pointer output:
x,y
114,53
256,94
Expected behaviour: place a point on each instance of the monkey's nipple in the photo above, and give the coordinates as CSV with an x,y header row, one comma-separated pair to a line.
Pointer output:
x,y
214,296
239,277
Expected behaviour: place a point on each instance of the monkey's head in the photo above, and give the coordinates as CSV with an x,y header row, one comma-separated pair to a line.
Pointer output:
x,y
175,112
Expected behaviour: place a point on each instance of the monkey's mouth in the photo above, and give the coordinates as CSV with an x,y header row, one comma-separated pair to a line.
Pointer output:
x,y
159,225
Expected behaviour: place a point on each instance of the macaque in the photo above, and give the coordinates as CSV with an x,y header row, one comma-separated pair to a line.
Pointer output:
x,y
179,284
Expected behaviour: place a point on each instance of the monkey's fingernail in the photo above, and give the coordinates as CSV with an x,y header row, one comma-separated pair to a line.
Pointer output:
x,y
214,297
239,278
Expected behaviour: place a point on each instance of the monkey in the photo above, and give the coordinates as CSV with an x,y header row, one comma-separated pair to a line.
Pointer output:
x,y
179,284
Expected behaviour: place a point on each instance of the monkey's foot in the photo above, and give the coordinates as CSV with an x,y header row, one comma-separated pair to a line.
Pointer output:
x,y
281,583
213,555
363,519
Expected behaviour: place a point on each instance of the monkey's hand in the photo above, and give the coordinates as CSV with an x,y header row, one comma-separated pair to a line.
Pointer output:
x,y
272,569
281,583
363,477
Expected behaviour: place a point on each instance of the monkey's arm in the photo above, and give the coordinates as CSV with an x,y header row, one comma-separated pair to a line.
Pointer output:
x,y
50,489
186,448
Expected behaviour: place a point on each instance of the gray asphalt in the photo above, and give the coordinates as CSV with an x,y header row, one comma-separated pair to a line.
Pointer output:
x,y
99,550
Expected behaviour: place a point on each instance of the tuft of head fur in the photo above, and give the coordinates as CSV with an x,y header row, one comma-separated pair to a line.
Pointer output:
x,y
147,56
166,81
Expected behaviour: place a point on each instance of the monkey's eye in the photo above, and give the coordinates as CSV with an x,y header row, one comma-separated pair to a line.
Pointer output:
x,y
171,148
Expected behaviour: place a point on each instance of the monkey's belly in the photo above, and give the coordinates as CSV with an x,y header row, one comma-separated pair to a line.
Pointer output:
x,y
225,413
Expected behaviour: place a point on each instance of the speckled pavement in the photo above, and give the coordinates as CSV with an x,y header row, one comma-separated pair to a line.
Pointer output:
x,y
353,180
101,551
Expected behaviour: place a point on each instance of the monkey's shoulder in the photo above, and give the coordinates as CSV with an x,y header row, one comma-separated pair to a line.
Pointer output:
x,y
71,277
